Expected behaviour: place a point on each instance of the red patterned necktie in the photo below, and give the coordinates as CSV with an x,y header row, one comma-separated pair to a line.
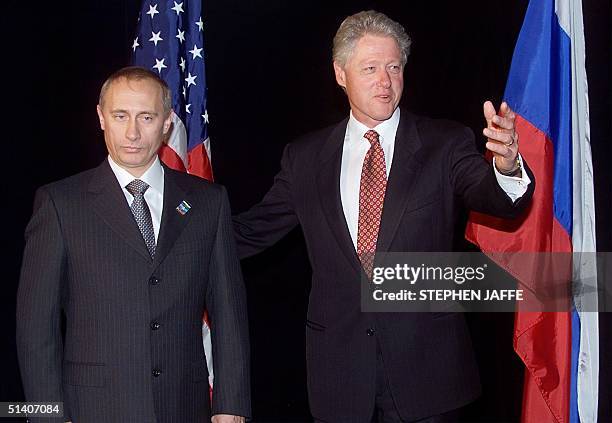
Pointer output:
x,y
371,197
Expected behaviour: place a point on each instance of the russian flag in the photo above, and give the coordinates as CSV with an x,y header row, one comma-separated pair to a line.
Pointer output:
x,y
547,88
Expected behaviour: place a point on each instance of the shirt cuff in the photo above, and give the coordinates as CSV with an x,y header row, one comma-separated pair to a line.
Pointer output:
x,y
514,187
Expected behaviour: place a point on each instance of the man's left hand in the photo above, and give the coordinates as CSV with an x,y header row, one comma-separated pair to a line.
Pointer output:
x,y
502,139
227,418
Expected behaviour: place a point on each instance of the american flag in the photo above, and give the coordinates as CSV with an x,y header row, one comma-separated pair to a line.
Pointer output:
x,y
170,41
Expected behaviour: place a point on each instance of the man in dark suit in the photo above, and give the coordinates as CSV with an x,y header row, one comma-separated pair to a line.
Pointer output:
x,y
383,180
133,253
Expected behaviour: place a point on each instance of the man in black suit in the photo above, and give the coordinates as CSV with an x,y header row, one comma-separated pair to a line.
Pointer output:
x,y
133,253
383,180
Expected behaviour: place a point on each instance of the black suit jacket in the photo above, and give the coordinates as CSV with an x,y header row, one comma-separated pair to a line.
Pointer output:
x,y
428,357
133,344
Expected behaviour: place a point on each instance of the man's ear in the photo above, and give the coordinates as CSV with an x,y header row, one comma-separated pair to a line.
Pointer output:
x,y
340,74
168,122
100,116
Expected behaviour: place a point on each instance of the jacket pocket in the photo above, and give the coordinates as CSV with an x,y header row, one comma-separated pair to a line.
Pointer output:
x,y
315,326
187,248
421,202
84,374
443,314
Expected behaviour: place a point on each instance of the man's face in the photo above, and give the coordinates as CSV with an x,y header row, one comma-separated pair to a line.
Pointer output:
x,y
373,78
134,123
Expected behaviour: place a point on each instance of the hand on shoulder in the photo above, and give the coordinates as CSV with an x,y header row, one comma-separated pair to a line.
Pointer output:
x,y
227,418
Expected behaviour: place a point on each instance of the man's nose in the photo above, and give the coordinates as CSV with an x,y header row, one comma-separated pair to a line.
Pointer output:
x,y
132,132
384,79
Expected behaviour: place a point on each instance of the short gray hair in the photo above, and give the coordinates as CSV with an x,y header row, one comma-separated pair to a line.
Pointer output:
x,y
356,26
137,73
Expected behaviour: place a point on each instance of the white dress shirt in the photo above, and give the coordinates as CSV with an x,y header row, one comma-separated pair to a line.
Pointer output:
x,y
354,151
154,196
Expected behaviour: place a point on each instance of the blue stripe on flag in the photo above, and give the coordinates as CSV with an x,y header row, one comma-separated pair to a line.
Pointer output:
x,y
539,89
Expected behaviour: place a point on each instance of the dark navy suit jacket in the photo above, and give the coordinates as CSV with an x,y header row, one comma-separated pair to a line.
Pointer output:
x,y
428,357
132,349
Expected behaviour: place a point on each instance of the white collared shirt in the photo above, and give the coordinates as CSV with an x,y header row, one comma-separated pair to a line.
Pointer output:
x,y
154,196
354,151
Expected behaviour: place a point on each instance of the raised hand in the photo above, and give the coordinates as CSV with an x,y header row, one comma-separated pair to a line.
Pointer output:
x,y
502,139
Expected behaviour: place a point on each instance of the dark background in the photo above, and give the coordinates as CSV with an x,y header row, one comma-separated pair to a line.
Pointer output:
x,y
270,79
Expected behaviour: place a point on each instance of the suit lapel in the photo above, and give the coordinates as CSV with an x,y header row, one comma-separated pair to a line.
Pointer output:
x,y
172,222
109,203
328,186
404,169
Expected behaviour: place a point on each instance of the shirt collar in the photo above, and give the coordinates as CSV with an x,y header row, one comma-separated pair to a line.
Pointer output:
x,y
387,129
153,176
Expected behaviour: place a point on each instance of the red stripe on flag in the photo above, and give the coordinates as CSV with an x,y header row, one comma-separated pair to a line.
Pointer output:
x,y
542,340
537,230
169,157
199,162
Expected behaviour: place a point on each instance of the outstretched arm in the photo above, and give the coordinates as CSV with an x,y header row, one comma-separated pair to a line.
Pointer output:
x,y
272,218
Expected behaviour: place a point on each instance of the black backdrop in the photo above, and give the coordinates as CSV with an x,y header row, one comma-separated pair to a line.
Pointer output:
x,y
270,79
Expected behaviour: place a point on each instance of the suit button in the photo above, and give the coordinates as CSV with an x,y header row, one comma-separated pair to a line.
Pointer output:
x,y
154,280
155,325
156,372
370,332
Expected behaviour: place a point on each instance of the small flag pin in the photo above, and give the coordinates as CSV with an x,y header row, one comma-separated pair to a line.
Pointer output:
x,y
183,208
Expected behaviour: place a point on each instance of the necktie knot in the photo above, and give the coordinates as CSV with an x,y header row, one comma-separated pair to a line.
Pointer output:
x,y
137,187
372,136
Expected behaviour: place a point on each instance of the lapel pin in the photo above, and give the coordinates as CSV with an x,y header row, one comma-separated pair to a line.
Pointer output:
x,y
183,208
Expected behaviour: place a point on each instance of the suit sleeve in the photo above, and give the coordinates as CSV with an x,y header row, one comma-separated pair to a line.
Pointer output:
x,y
473,179
272,218
39,339
226,305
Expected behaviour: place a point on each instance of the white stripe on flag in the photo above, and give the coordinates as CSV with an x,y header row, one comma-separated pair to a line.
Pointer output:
x,y
178,139
207,341
583,233
207,147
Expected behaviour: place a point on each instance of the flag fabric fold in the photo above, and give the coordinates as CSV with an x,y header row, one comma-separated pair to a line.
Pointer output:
x,y
547,88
